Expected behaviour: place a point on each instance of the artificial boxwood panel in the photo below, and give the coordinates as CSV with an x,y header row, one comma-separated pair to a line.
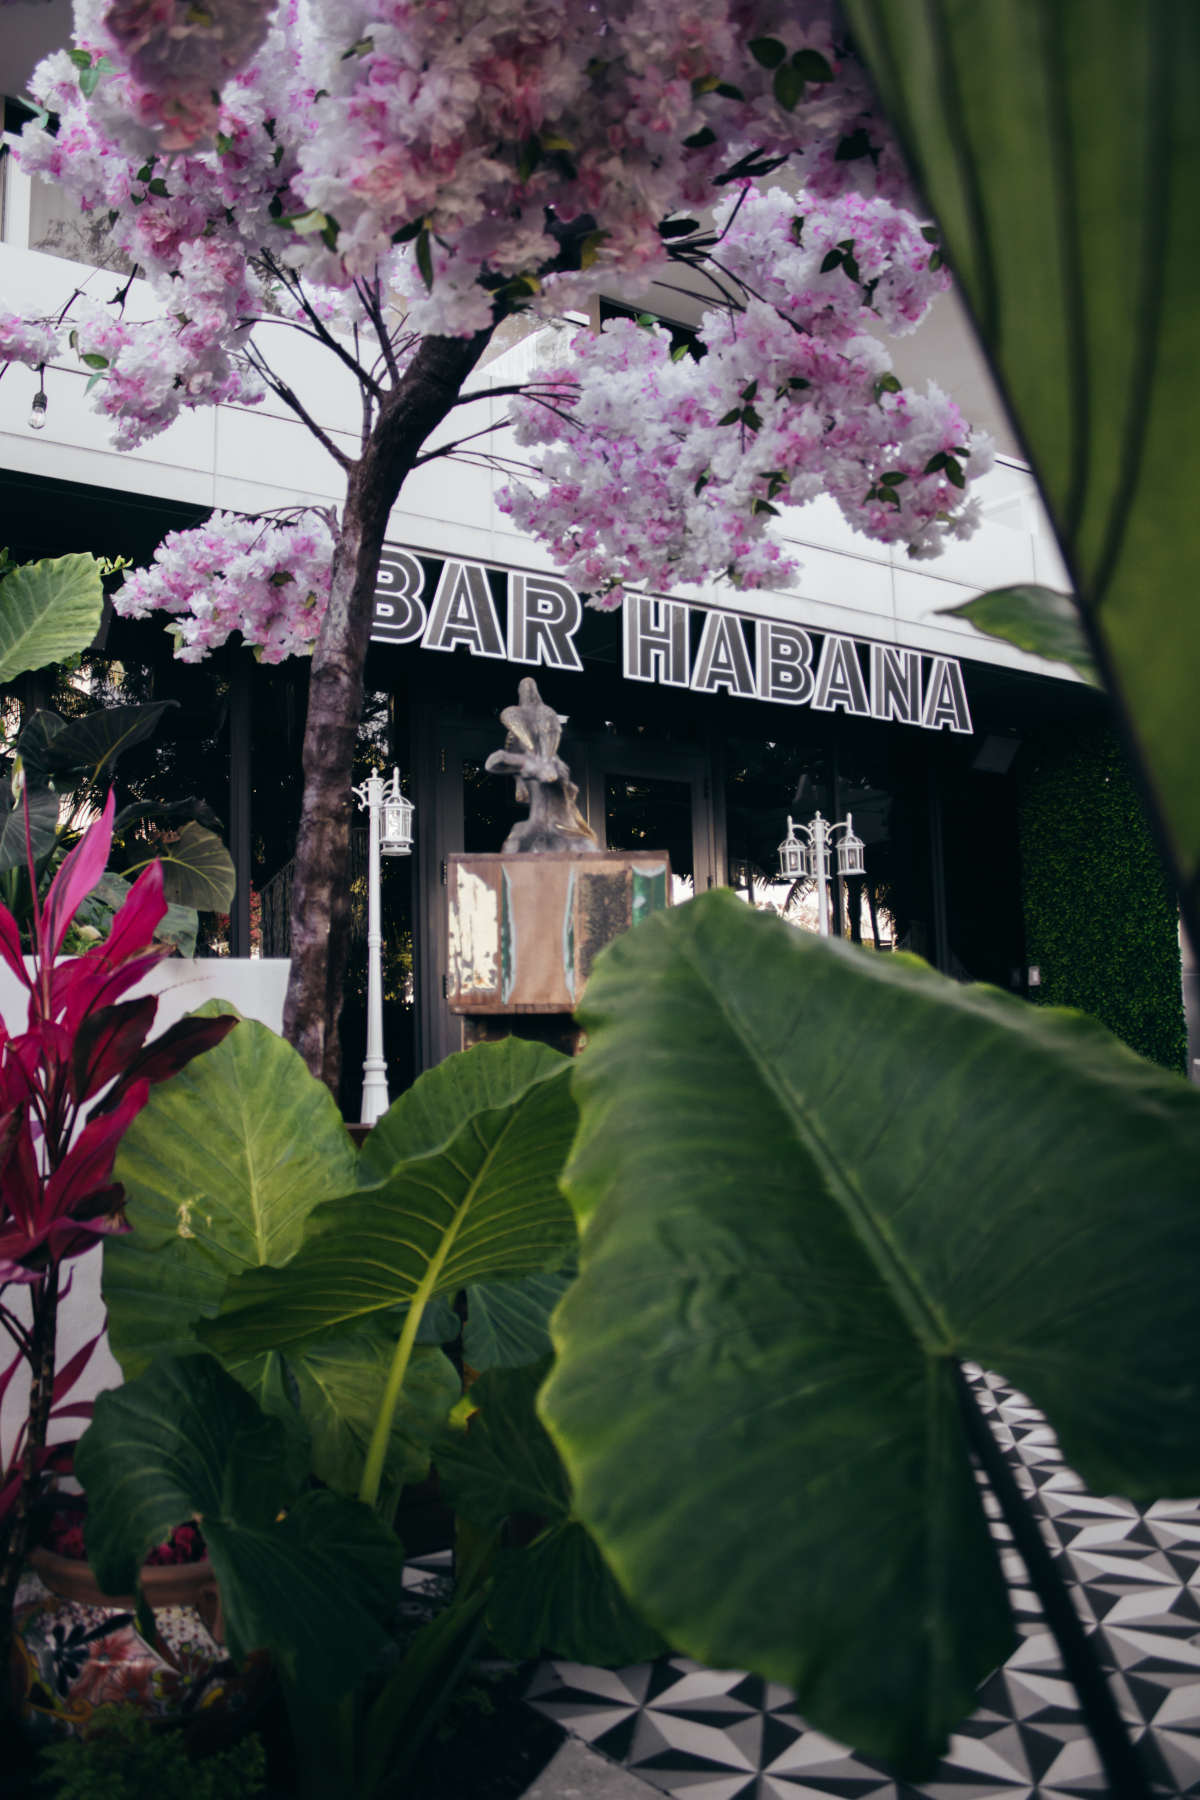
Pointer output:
x,y
1101,923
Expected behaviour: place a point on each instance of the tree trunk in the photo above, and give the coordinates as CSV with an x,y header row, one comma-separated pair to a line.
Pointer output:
x,y
320,894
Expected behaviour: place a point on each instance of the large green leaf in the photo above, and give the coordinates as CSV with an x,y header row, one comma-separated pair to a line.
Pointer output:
x,y
177,927
335,1388
197,869
187,1440
49,611
813,1179
463,1171
553,1596
84,748
1033,618
43,827
221,1169
508,1322
1060,149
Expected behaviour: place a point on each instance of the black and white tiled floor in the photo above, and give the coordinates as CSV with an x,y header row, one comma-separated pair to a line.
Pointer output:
x,y
701,1734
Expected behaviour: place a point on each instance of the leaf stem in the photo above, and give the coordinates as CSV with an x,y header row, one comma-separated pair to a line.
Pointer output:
x,y
1114,1746
372,1474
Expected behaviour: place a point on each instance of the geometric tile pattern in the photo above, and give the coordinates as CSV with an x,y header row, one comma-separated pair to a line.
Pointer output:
x,y
702,1734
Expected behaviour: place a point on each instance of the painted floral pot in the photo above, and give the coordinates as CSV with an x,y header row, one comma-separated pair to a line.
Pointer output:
x,y
76,1649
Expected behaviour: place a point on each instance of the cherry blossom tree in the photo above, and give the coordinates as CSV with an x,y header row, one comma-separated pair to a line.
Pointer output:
x,y
394,180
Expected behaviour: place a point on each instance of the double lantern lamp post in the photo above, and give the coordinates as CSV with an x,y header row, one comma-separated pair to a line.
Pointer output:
x,y
390,833
809,859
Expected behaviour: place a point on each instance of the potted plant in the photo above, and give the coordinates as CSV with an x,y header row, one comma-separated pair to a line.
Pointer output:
x,y
281,1311
70,1086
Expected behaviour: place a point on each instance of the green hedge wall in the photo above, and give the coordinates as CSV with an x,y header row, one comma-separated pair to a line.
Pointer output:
x,y
1100,920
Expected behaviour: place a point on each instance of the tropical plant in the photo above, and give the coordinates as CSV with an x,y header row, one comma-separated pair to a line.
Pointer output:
x,y
283,1309
813,1183
50,612
124,1757
70,1086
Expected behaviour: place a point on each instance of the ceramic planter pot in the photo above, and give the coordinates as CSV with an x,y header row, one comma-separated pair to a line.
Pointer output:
x,y
77,1649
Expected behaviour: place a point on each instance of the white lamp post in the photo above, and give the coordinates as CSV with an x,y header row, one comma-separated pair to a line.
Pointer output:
x,y
389,830
811,858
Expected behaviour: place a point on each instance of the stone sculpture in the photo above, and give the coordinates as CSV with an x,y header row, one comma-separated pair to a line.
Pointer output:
x,y
555,825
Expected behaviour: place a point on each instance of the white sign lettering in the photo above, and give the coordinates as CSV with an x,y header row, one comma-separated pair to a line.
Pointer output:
x,y
778,662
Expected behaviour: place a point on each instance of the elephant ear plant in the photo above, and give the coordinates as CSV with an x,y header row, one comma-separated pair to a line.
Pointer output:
x,y
813,1183
283,1310
70,1086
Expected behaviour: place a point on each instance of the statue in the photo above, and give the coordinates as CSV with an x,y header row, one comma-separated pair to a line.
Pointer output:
x,y
555,825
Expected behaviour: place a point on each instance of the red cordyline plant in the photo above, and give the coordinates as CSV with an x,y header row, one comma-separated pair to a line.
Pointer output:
x,y
70,1085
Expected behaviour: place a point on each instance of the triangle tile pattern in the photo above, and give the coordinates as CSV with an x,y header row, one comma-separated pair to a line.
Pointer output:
x,y
700,1734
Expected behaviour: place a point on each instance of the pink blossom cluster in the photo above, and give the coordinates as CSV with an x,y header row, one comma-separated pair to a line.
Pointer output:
x,y
181,55
192,224
663,469
146,372
26,341
481,119
269,581
442,147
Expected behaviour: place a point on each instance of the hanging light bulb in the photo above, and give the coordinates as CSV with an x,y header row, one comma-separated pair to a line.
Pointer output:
x,y
37,412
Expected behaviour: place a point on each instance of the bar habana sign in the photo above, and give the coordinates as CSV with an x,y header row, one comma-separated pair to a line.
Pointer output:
x,y
753,659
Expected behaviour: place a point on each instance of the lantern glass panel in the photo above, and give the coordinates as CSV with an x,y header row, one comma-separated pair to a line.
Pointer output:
x,y
792,860
850,855
395,838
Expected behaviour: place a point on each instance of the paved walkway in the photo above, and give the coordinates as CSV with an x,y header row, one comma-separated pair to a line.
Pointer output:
x,y
699,1734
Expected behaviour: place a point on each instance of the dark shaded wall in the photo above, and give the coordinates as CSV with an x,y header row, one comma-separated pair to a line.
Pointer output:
x,y
1101,923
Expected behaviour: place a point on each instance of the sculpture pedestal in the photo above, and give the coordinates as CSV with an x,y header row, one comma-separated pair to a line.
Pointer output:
x,y
526,929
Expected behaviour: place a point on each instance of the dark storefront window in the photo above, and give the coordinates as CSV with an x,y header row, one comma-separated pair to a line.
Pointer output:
x,y
867,772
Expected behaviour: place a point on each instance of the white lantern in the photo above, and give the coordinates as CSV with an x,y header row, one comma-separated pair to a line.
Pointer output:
x,y
395,826
793,863
850,851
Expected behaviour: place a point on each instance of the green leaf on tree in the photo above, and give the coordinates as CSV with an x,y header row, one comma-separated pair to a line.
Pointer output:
x,y
425,257
812,65
768,52
788,86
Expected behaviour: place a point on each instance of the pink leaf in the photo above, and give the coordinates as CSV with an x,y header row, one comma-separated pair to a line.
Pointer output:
x,y
75,881
10,947
134,925
186,1039
21,1192
78,1409
107,1044
7,1375
66,1377
87,1166
15,1271
86,982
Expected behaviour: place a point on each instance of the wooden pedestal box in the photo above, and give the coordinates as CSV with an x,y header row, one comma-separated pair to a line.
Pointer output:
x,y
525,930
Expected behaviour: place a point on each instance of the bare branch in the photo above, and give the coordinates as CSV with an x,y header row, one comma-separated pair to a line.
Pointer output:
x,y
373,305
319,329
497,424
290,398
523,389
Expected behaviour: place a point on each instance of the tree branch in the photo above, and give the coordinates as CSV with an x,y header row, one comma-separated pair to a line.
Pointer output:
x,y
373,307
496,425
320,329
280,387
